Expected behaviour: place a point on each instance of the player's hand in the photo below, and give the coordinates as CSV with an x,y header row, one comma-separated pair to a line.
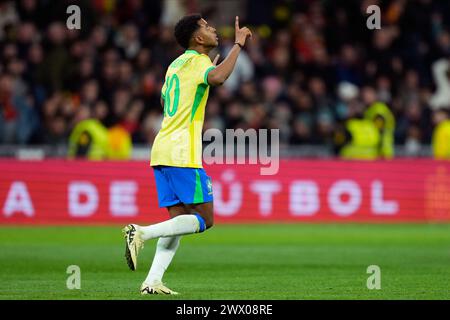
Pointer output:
x,y
241,34
216,59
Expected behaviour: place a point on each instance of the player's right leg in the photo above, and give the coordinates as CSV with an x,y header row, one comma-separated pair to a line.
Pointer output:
x,y
166,248
205,210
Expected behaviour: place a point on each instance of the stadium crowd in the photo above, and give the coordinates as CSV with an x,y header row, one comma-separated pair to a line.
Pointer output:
x,y
310,66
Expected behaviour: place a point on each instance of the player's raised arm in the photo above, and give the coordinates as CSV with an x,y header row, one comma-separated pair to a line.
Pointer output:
x,y
221,73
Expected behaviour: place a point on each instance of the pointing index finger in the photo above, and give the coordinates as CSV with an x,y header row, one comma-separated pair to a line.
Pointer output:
x,y
216,59
236,24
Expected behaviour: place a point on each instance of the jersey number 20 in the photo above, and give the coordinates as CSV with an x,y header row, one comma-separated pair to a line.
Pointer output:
x,y
170,107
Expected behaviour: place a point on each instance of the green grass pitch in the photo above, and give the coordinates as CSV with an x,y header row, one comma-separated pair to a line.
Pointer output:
x,y
273,261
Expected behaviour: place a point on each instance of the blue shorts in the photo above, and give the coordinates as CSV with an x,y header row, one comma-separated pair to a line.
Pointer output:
x,y
182,185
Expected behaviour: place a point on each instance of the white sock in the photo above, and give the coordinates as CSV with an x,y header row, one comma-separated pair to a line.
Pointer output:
x,y
165,250
178,226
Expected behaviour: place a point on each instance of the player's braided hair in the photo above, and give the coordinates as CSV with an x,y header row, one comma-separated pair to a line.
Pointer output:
x,y
185,28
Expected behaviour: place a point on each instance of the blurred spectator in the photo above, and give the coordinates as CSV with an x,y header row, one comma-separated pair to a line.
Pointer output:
x,y
412,143
348,94
119,143
383,119
441,134
89,140
18,118
441,72
8,17
9,113
358,138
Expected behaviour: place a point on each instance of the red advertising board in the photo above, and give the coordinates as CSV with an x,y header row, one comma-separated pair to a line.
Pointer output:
x,y
60,192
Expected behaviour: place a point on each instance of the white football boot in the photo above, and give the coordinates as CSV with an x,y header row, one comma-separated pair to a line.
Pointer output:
x,y
156,288
133,243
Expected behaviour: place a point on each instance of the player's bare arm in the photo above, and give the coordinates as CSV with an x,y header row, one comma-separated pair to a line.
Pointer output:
x,y
223,70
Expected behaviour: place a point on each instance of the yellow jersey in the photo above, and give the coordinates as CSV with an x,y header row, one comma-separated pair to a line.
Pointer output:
x,y
441,140
185,92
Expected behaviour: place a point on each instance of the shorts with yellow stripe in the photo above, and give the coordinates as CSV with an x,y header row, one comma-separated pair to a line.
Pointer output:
x,y
182,185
